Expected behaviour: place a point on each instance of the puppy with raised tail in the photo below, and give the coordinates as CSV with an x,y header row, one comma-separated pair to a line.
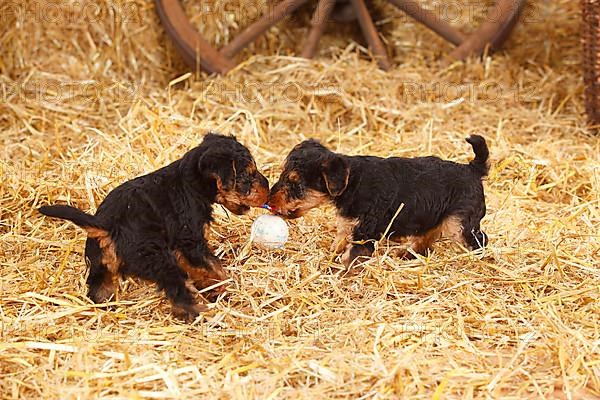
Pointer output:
x,y
414,200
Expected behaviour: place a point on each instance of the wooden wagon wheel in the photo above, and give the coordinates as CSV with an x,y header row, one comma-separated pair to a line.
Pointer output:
x,y
197,52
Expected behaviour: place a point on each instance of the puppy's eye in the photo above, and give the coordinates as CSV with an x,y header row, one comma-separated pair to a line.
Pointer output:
x,y
244,185
296,190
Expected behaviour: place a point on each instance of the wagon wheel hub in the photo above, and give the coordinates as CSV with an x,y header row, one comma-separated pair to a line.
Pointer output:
x,y
197,52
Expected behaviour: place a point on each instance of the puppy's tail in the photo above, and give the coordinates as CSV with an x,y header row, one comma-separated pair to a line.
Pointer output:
x,y
480,162
86,221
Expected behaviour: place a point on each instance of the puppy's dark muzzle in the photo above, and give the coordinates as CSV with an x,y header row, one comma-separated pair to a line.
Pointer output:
x,y
276,199
259,193
278,203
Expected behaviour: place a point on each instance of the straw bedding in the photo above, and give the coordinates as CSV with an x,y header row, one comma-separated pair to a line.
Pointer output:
x,y
93,94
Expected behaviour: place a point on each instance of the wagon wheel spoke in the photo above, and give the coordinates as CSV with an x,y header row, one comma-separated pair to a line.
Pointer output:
x,y
371,35
253,31
492,32
319,19
430,20
514,8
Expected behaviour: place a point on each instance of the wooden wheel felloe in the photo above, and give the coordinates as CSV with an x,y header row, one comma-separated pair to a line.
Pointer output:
x,y
198,53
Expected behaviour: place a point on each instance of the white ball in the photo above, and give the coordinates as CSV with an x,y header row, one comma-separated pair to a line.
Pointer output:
x,y
269,231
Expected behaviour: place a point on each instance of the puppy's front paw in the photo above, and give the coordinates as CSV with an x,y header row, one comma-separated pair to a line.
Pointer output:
x,y
338,245
102,293
352,257
403,252
189,312
214,294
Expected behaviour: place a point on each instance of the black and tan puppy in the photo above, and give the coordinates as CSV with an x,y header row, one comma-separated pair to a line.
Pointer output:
x,y
152,227
437,197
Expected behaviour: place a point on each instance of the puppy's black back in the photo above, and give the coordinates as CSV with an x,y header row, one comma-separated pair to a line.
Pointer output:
x,y
429,188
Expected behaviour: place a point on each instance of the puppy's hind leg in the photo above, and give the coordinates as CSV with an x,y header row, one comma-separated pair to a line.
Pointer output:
x,y
154,262
475,238
185,305
100,280
354,252
465,230
361,244
419,244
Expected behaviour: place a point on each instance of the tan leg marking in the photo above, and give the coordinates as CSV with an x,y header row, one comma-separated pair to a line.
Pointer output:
x,y
362,252
197,276
452,228
449,227
345,259
110,260
191,287
202,276
109,251
106,289
345,227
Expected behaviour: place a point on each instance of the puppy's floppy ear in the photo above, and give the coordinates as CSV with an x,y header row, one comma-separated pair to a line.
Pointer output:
x,y
219,167
336,174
